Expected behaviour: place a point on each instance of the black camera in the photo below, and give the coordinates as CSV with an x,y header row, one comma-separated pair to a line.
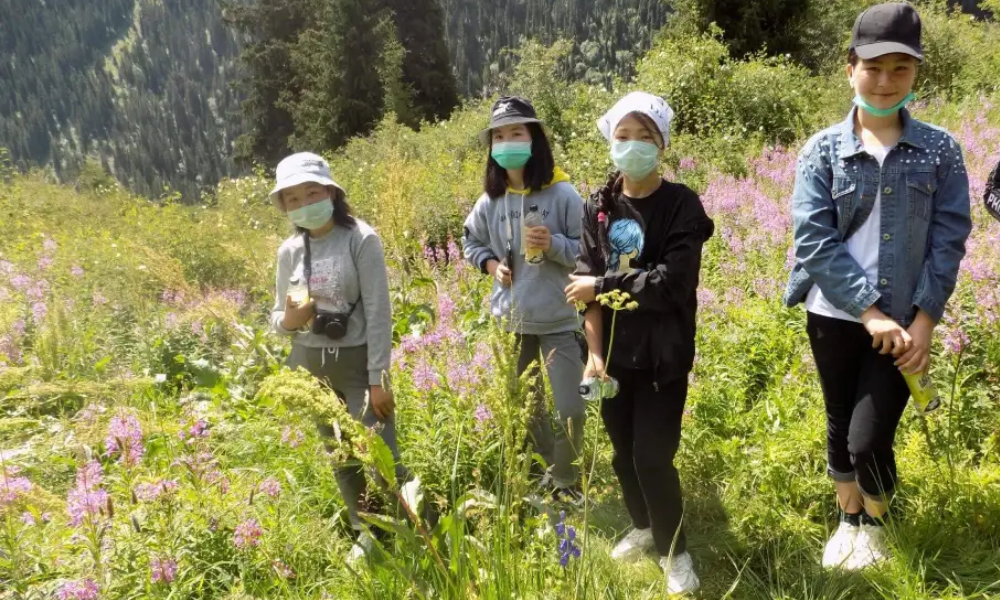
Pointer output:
x,y
332,325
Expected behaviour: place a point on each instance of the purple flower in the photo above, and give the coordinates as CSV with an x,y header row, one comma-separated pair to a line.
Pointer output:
x,y
454,254
688,163
125,438
84,589
270,487
20,282
424,377
430,254
247,534
44,263
76,271
87,499
197,431
163,570
282,570
151,492
483,415
38,311
567,538
956,341
6,267
237,297
292,437
10,349
99,299
12,486
49,245
170,320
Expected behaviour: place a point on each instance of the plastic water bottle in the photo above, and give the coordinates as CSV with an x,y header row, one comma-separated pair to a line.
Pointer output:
x,y
926,398
532,255
592,388
298,291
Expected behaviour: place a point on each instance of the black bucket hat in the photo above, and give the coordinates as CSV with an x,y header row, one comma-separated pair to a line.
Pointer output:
x,y
887,29
509,110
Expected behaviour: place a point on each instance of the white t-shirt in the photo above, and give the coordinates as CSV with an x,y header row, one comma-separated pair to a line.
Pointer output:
x,y
863,246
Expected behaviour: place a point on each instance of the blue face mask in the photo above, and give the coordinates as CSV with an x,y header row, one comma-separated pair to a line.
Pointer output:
x,y
511,155
635,159
312,216
883,112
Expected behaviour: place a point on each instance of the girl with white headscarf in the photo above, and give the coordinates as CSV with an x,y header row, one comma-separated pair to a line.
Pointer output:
x,y
644,236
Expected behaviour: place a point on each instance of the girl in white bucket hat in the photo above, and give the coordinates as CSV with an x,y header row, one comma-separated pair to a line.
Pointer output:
x,y
332,298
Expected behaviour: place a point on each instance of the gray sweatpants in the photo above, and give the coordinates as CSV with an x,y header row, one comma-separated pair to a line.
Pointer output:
x,y
560,354
345,371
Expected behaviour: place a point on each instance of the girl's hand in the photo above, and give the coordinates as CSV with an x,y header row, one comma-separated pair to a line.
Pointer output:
x,y
918,358
540,237
383,402
886,333
500,272
581,289
595,367
296,316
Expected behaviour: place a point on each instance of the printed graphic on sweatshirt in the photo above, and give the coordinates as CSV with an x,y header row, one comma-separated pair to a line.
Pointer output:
x,y
625,240
325,283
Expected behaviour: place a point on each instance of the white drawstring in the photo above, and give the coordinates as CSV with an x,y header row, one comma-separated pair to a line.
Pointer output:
x,y
335,351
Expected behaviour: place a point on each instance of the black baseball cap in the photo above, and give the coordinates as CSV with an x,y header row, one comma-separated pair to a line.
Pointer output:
x,y
886,29
509,110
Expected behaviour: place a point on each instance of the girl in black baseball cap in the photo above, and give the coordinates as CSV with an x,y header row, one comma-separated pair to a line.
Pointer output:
x,y
524,231
881,212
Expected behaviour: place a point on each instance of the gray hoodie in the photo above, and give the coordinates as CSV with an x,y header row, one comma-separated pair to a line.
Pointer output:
x,y
536,302
348,266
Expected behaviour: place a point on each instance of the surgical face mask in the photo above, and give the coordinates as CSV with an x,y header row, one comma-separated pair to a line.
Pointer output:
x,y
511,155
883,112
312,216
635,159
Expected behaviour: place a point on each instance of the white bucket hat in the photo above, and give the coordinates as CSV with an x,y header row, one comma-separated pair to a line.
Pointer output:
x,y
654,107
304,167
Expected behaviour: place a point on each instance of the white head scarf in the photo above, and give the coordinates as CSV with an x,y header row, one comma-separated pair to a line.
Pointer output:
x,y
654,107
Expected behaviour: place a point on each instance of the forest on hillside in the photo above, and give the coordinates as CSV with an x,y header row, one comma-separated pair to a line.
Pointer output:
x,y
169,97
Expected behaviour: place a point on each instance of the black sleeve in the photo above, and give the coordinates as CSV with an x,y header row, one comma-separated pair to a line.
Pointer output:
x,y
671,282
589,260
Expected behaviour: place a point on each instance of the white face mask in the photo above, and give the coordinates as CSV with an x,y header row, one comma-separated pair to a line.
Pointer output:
x,y
634,158
312,216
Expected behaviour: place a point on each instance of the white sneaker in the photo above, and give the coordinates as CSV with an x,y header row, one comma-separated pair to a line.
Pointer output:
x,y
840,548
634,545
869,548
362,546
680,574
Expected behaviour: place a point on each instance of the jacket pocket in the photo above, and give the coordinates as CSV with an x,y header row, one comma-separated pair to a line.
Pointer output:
x,y
843,193
920,188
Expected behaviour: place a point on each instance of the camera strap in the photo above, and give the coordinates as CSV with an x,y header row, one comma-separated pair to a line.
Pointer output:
x,y
307,269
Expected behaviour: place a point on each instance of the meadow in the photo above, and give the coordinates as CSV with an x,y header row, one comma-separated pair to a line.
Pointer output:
x,y
152,446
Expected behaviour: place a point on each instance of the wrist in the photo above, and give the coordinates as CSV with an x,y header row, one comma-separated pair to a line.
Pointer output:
x,y
490,266
870,314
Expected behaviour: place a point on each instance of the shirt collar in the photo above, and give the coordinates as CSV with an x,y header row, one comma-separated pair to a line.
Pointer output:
x,y
849,145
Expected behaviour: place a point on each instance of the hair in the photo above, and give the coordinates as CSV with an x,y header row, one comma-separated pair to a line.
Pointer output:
x,y
650,126
606,201
852,58
342,213
538,172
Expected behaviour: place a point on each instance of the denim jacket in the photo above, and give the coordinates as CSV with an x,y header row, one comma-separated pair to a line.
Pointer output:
x,y
925,220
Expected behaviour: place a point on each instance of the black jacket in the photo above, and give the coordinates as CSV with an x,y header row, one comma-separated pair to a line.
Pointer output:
x,y
665,287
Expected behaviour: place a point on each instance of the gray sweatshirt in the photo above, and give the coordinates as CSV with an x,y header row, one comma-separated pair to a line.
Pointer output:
x,y
348,266
536,302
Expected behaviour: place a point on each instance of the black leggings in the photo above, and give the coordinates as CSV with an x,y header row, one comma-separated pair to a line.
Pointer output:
x,y
865,397
644,425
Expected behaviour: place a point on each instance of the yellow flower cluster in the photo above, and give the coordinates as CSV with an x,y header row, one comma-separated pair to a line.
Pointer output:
x,y
618,300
